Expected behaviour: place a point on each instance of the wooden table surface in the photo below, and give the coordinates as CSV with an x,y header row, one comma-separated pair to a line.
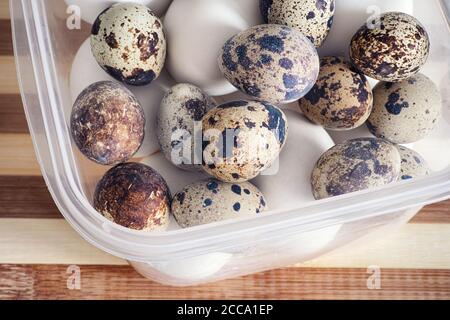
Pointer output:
x,y
37,246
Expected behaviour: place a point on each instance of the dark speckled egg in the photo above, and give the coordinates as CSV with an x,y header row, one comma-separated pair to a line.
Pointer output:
x,y
211,200
107,123
391,50
135,196
182,106
355,165
270,62
406,111
128,42
313,18
241,139
341,99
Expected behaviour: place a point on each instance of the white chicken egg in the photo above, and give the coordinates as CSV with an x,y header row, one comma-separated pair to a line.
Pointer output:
x,y
90,9
196,31
350,15
287,186
85,71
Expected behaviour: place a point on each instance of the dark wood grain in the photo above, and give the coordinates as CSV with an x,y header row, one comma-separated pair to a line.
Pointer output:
x,y
12,115
122,282
28,197
6,48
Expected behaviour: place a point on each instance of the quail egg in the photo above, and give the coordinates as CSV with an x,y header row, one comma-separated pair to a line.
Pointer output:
x,y
128,42
406,111
107,123
391,49
271,63
313,18
211,200
413,164
355,165
182,106
341,99
241,139
135,196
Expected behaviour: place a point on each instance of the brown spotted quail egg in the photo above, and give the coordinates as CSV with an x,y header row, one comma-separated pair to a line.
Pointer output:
x,y
406,111
211,200
182,106
128,42
107,123
241,139
341,99
271,63
413,164
313,18
355,165
392,50
135,196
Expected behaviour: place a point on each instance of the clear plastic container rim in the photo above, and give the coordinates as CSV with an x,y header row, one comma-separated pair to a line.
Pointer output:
x,y
64,185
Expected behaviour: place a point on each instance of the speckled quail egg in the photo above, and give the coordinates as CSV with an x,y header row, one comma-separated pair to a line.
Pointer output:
x,y
128,42
350,15
392,50
241,139
135,196
211,200
148,96
413,164
341,99
406,111
355,165
107,123
313,18
271,63
182,106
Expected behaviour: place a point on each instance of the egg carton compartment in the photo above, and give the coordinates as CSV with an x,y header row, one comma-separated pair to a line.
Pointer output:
x,y
297,228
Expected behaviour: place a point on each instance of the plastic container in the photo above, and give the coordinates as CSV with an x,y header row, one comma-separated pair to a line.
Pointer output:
x,y
44,49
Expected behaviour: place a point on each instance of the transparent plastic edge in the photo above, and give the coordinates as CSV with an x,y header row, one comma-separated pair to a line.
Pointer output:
x,y
218,237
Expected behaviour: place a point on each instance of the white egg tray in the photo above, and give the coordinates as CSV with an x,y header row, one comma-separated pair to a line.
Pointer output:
x,y
54,65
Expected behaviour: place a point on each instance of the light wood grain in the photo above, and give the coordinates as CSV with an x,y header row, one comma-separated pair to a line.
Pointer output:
x,y
8,76
122,282
51,241
4,9
47,241
17,155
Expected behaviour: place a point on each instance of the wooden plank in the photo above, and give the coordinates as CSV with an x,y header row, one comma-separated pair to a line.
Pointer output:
x,y
8,76
4,9
53,241
122,282
17,157
12,115
28,197
438,212
415,245
6,47
47,241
